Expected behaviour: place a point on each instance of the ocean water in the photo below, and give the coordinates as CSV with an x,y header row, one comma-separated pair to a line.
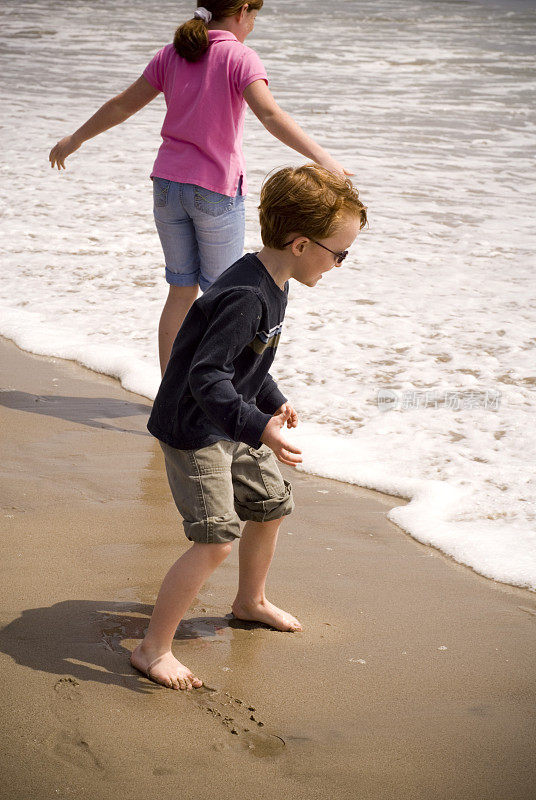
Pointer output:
x,y
413,366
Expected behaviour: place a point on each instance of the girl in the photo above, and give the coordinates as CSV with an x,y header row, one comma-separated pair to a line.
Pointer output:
x,y
207,75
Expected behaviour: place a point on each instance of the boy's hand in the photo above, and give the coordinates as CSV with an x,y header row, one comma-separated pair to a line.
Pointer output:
x,y
284,452
292,421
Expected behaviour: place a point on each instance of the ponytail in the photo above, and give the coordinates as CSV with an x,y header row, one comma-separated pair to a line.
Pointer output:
x,y
191,38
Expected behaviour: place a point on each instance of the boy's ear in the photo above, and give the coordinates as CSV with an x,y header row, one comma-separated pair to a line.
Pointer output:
x,y
300,244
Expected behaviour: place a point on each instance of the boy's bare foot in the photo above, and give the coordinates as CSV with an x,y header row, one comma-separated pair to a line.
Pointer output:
x,y
268,613
164,669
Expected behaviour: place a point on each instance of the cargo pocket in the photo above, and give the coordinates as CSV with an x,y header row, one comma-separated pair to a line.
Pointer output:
x,y
268,469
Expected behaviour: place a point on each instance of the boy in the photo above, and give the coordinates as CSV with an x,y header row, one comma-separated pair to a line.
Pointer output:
x,y
218,413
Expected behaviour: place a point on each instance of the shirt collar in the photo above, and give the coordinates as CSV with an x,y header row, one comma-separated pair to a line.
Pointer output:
x,y
220,36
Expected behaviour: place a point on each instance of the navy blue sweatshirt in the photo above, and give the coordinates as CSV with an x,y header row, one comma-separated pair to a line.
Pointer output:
x,y
217,385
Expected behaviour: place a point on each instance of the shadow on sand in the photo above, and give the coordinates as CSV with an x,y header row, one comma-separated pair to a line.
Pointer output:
x,y
90,411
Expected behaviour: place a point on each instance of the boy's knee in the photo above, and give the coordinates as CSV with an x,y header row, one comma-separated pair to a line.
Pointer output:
x,y
217,550
224,548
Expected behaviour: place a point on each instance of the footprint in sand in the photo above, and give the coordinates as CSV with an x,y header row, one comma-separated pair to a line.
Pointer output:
x,y
68,689
69,743
73,749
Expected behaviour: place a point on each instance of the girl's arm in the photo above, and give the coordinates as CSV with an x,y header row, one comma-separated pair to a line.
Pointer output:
x,y
116,110
281,125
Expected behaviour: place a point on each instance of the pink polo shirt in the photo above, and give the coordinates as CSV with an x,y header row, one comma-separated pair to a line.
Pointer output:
x,y
203,126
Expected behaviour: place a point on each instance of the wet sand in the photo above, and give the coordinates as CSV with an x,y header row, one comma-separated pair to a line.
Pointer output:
x,y
413,676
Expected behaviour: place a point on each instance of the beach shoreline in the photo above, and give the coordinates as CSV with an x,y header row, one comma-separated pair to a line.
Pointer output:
x,y
412,677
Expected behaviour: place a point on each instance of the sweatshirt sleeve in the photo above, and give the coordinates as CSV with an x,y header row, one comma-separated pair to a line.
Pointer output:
x,y
232,326
269,398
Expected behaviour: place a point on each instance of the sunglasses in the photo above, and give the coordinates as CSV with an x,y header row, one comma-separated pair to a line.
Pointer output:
x,y
339,257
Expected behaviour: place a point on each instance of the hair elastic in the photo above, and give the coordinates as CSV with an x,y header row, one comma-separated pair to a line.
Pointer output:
x,y
204,14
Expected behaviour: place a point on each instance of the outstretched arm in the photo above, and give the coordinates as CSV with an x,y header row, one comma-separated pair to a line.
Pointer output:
x,y
281,125
116,110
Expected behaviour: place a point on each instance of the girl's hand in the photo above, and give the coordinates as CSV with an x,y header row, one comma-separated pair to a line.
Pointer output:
x,y
284,452
62,149
335,166
281,125
292,421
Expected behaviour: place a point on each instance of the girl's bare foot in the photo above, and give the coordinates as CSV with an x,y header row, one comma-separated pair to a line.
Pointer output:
x,y
163,668
268,613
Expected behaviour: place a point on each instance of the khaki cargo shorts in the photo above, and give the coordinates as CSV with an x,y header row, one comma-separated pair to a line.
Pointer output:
x,y
215,487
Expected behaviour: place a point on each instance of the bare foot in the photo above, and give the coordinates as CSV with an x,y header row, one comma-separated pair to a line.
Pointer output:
x,y
268,613
164,669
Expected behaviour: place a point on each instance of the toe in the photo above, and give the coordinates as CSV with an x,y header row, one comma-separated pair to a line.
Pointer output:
x,y
195,682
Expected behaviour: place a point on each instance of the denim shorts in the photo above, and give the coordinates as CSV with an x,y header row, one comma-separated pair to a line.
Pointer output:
x,y
202,232
216,486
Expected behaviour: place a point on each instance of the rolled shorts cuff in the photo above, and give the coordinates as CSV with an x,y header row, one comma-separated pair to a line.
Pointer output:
x,y
191,279
203,283
266,510
213,530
